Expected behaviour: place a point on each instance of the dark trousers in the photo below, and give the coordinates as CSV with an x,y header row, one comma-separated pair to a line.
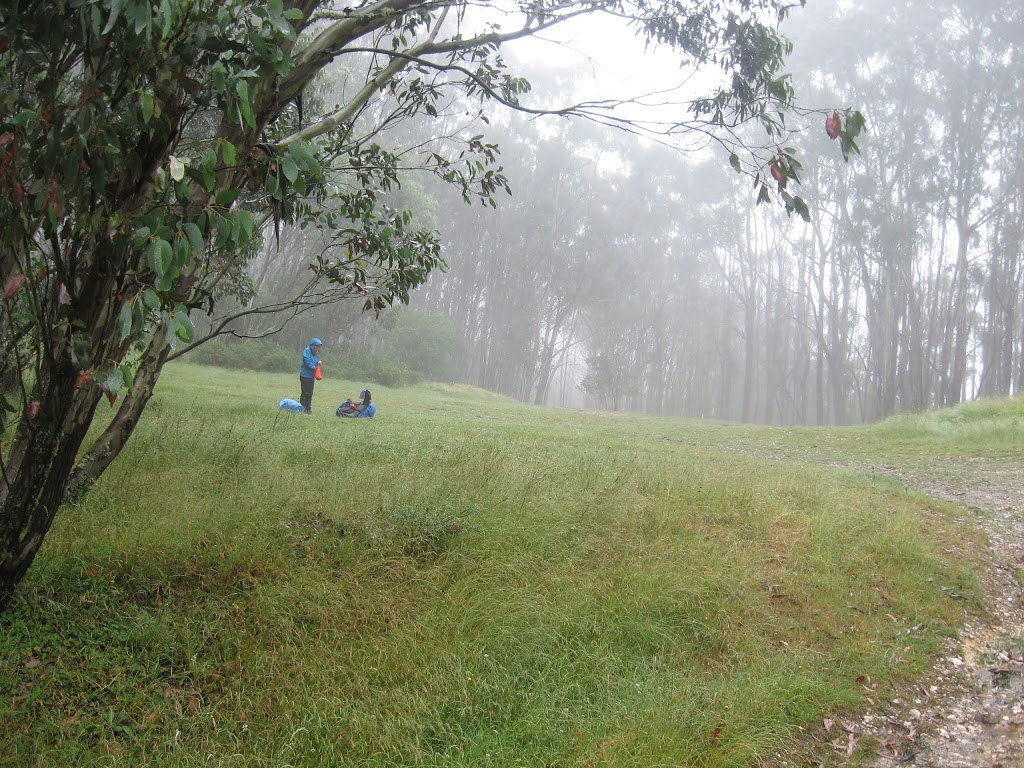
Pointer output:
x,y
306,398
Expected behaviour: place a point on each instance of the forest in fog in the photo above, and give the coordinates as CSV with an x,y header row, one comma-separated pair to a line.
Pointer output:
x,y
623,274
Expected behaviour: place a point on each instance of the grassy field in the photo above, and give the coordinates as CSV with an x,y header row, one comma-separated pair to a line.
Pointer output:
x,y
468,581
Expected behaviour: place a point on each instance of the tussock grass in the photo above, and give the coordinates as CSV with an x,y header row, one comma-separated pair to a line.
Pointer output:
x,y
994,426
465,580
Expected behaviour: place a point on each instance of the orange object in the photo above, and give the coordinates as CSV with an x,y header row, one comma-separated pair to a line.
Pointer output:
x,y
317,373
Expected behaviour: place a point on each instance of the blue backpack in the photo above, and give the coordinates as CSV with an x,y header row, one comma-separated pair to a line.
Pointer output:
x,y
353,409
356,409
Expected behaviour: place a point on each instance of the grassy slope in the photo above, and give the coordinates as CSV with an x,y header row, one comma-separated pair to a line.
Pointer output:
x,y
469,581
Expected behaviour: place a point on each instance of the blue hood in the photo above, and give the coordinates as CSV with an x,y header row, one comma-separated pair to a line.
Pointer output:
x,y
314,341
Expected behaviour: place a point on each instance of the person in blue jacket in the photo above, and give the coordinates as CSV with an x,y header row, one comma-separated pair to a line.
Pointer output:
x,y
310,360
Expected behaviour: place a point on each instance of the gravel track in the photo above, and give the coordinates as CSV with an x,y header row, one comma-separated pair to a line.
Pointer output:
x,y
969,711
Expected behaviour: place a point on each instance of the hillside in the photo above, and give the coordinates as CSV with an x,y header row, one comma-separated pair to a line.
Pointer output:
x,y
465,580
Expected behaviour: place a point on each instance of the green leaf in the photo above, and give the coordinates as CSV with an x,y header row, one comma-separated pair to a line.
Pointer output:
x,y
160,256
143,18
24,118
224,230
167,17
140,237
247,114
257,43
195,236
302,155
113,382
126,375
734,161
801,207
289,168
849,147
124,322
246,223
283,27
115,11
147,108
219,73
182,252
150,298
209,169
185,330
226,197
228,152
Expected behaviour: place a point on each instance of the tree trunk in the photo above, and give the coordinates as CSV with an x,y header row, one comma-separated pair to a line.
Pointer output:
x,y
37,471
116,435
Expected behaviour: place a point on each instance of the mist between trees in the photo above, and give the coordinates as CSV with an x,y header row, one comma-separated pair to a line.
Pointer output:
x,y
622,275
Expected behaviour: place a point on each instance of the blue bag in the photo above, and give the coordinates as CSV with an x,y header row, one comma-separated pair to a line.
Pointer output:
x,y
290,405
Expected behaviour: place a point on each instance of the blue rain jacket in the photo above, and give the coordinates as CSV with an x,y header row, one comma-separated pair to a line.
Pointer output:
x,y
309,360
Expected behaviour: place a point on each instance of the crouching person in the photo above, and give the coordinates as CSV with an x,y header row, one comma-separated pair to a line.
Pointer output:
x,y
363,408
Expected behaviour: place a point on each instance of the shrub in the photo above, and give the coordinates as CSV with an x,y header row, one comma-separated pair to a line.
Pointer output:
x,y
252,354
426,343
377,369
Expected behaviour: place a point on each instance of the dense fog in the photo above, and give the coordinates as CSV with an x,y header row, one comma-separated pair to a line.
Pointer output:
x,y
624,274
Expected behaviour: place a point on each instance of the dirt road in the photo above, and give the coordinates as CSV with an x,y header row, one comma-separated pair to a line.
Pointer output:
x,y
969,712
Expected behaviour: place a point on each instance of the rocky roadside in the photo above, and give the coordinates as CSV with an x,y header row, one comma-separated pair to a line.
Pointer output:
x,y
969,712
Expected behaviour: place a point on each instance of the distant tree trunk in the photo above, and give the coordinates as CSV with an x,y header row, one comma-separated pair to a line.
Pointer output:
x,y
960,323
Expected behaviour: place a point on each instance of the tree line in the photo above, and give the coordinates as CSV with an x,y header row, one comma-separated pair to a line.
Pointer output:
x,y
624,276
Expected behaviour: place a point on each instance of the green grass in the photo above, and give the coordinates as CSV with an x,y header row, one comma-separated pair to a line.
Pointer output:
x,y
467,581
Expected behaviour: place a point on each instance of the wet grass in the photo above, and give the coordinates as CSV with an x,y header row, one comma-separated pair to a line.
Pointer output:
x,y
468,581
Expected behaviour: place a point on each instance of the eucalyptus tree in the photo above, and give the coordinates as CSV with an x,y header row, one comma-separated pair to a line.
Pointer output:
x,y
1002,331
924,232
646,315
517,275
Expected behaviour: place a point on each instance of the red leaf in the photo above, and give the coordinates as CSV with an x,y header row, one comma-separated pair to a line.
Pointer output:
x,y
777,173
832,125
33,409
84,377
13,284
111,397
